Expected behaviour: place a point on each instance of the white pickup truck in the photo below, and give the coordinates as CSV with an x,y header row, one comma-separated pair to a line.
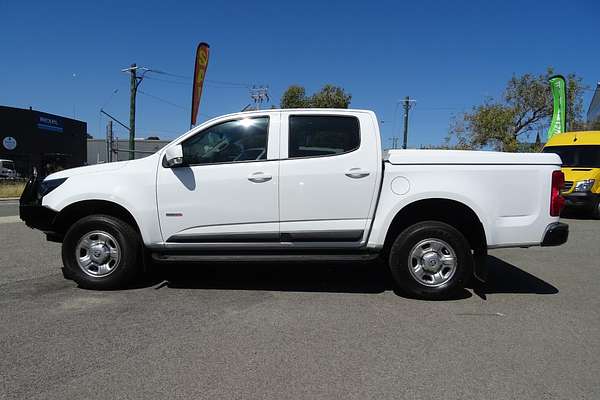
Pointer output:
x,y
299,184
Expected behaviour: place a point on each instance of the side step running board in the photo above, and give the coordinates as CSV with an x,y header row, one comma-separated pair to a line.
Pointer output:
x,y
160,257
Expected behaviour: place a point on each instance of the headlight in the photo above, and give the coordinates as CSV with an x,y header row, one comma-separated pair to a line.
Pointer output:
x,y
49,185
584,186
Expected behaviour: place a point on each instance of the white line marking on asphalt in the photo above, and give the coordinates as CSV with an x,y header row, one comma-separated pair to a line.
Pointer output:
x,y
6,203
496,314
10,220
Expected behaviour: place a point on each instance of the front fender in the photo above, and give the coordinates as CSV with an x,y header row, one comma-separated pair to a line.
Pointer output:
x,y
132,187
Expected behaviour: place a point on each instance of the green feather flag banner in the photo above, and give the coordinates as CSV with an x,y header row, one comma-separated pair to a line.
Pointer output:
x,y
559,96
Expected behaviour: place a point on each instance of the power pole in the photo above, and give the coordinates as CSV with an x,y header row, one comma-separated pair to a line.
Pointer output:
x,y
133,84
109,141
407,105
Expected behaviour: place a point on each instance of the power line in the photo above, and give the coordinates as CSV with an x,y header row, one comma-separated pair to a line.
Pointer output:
x,y
172,104
114,119
163,100
170,74
189,78
115,91
206,83
246,85
153,130
222,86
168,81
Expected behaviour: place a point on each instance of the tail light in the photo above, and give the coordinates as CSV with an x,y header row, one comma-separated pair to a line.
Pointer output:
x,y
557,202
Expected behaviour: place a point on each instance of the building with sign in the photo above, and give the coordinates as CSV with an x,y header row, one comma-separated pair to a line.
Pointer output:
x,y
48,142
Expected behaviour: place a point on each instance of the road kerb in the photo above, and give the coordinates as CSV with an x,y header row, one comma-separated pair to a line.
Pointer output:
x,y
10,219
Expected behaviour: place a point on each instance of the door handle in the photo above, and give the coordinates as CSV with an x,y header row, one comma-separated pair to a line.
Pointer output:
x,y
259,177
356,173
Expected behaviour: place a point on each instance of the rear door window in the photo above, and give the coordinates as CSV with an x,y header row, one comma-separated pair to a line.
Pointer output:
x,y
322,135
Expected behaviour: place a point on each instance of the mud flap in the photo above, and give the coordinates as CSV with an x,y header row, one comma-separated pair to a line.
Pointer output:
x,y
480,272
480,269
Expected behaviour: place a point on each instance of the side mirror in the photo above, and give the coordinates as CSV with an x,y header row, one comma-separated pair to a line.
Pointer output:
x,y
174,156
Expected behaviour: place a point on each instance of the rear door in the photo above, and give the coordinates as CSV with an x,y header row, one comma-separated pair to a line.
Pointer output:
x,y
328,177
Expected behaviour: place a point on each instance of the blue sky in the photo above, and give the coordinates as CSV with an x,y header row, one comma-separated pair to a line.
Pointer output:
x,y
65,57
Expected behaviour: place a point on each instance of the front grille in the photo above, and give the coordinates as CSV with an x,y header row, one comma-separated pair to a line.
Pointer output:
x,y
568,185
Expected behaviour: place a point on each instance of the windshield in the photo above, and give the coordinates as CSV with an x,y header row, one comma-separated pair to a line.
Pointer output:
x,y
577,156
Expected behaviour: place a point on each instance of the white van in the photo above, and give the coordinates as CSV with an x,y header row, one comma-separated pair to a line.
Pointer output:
x,y
7,169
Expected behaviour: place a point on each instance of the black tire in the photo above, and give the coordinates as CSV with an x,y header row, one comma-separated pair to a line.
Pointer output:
x,y
421,232
123,271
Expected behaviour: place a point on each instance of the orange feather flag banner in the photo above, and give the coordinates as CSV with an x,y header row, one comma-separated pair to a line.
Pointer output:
x,y
199,74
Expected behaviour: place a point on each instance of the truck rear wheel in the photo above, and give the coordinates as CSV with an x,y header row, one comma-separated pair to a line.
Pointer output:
x,y
101,252
431,260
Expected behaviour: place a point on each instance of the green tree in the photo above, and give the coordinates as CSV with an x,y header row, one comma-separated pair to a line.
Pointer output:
x,y
593,125
525,108
294,97
329,96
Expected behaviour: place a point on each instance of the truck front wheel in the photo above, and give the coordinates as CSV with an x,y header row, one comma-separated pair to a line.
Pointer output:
x,y
431,260
101,252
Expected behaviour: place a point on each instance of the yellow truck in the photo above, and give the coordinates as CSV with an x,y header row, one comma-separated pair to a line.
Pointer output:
x,y
580,154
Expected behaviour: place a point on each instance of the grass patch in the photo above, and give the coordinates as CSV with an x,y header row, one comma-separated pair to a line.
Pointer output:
x,y
11,188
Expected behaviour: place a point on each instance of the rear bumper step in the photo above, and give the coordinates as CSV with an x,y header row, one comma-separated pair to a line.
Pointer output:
x,y
556,234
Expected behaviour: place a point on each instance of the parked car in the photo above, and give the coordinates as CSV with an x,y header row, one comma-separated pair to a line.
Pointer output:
x,y
580,154
304,184
7,169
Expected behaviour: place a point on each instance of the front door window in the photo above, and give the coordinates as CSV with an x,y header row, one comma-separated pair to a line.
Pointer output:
x,y
232,141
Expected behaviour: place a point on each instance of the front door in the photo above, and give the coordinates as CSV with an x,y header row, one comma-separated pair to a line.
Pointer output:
x,y
227,190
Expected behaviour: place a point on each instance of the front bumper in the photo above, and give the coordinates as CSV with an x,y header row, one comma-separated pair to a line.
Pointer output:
x,y
37,217
31,210
581,199
556,234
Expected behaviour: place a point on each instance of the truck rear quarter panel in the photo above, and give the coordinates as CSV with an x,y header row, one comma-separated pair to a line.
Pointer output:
x,y
511,201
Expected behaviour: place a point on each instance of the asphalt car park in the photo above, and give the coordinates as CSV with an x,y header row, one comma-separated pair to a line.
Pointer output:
x,y
300,330
9,207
